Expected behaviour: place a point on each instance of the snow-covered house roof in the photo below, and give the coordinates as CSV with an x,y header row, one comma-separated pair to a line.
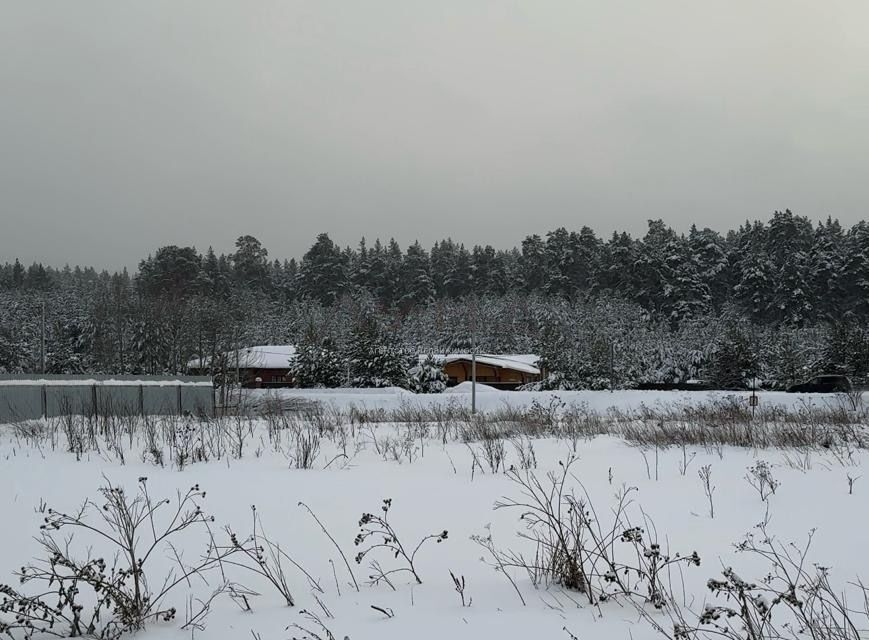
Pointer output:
x,y
259,357
524,362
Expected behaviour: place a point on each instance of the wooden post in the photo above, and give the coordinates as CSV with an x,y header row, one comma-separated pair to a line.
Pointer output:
x,y
753,400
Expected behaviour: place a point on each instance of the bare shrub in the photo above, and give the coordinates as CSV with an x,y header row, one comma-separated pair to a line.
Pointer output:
x,y
377,533
72,427
261,555
196,610
239,429
119,597
853,399
686,461
556,522
400,448
333,541
494,452
459,584
322,418
185,442
578,422
153,451
760,478
316,629
794,599
525,454
729,423
575,550
35,434
649,568
705,474
307,447
481,427
545,417
500,561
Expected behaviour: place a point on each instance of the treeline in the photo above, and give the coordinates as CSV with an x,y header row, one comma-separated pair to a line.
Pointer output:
x,y
761,291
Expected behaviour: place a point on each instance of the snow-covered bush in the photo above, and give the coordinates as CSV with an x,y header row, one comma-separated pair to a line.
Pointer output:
x,y
427,377
318,365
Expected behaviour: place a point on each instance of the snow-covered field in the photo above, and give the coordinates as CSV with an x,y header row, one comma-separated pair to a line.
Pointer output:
x,y
436,482
490,399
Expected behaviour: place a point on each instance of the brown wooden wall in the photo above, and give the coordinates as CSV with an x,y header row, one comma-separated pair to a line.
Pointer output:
x,y
460,371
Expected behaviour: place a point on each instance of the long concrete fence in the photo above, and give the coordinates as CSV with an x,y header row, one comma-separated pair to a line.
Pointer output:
x,y
32,397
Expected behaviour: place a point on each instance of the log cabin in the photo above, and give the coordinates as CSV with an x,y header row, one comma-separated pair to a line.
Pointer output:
x,y
500,371
260,367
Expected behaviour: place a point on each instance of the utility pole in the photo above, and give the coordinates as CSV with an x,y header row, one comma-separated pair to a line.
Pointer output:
x,y
474,378
42,341
474,358
237,370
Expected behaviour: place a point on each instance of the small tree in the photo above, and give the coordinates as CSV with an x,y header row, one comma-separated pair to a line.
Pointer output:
x,y
318,364
375,357
428,376
734,360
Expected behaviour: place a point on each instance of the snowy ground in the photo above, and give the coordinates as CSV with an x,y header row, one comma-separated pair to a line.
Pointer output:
x,y
435,486
600,401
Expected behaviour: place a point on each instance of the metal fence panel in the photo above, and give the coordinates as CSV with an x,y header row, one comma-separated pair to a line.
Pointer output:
x,y
31,397
160,400
197,400
70,399
118,400
20,403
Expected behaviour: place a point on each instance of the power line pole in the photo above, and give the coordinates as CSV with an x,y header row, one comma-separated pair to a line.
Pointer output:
x,y
42,341
474,359
237,370
473,378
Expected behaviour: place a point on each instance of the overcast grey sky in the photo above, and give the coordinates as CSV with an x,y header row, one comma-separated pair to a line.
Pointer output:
x,y
129,125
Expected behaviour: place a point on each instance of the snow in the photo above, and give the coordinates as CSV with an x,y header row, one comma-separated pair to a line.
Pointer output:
x,y
258,357
435,490
467,387
346,392
598,401
339,398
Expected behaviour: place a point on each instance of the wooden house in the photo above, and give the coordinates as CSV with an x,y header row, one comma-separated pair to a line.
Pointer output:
x,y
266,366
499,371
